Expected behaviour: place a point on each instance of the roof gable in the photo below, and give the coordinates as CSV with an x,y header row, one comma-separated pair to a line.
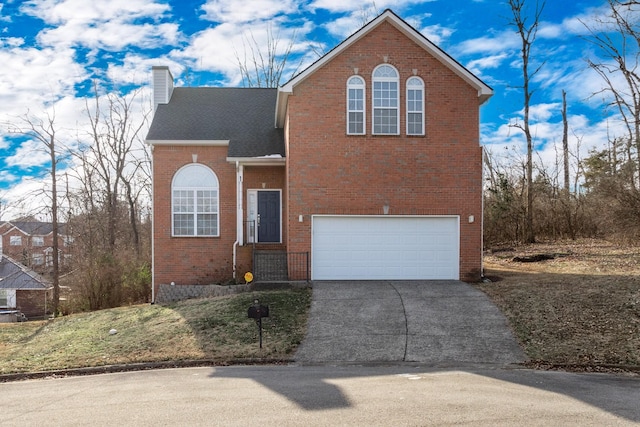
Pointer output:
x,y
484,91
34,228
15,276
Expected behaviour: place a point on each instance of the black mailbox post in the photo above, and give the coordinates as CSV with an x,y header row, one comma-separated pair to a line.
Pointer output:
x,y
257,312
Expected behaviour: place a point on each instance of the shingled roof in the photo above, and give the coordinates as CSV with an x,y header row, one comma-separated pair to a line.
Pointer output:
x,y
243,116
15,276
36,228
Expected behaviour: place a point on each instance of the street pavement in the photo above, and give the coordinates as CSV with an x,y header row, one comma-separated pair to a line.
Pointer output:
x,y
394,395
441,323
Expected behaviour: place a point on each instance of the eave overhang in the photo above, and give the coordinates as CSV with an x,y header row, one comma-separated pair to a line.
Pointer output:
x,y
189,142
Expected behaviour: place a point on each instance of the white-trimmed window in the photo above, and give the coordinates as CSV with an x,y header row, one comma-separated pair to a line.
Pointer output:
x,y
7,298
194,202
37,241
37,259
15,240
415,106
386,111
355,106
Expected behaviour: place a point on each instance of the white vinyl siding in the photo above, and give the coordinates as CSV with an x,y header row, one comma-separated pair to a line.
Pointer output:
x,y
415,106
386,111
355,106
195,205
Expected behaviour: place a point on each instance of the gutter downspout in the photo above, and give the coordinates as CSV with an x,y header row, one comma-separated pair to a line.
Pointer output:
x,y
239,215
153,251
482,218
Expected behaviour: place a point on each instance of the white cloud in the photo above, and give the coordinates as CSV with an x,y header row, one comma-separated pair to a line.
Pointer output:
x,y
493,61
370,8
32,77
233,11
112,36
437,33
111,25
344,26
60,12
506,40
30,154
215,49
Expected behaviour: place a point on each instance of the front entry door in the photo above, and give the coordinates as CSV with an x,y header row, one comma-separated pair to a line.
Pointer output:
x,y
266,203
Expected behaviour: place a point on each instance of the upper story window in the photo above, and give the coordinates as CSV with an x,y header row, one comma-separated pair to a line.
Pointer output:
x,y
195,207
415,106
37,241
15,240
386,114
37,259
355,106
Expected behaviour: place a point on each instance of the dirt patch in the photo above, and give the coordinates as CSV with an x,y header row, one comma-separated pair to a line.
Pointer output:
x,y
578,311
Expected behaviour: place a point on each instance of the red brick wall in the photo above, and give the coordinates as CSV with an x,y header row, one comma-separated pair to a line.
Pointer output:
x,y
31,303
332,173
203,260
24,253
192,260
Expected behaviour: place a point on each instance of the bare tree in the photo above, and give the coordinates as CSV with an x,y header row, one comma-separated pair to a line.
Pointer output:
x,y
43,130
114,180
264,66
565,142
115,137
527,32
617,36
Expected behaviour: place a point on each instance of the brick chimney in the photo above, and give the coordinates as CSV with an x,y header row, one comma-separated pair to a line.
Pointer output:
x,y
162,85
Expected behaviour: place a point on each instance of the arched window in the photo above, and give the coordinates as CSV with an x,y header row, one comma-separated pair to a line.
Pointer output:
x,y
386,114
355,106
195,204
415,106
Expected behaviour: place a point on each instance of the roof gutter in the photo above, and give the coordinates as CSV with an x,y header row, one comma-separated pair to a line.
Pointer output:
x,y
281,104
258,161
189,142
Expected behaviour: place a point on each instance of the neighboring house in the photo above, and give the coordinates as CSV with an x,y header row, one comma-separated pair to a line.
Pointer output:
x,y
31,243
369,161
21,289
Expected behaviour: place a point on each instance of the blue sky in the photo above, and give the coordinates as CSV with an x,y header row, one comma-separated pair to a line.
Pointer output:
x,y
52,50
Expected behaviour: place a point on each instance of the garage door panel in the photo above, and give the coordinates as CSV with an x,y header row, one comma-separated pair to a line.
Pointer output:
x,y
385,247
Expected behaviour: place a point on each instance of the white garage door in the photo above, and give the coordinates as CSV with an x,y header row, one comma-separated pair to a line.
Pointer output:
x,y
385,247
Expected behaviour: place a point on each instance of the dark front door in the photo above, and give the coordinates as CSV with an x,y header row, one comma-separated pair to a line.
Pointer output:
x,y
269,214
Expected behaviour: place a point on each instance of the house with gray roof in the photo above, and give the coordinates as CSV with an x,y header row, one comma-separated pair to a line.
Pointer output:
x,y
366,165
21,289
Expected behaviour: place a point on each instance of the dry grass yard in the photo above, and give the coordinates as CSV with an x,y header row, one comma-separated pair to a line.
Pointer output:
x,y
578,310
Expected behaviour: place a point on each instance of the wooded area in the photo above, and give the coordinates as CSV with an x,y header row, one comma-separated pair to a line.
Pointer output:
x,y
103,196
594,196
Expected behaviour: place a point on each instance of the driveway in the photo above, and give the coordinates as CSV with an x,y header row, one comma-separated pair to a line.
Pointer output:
x,y
439,323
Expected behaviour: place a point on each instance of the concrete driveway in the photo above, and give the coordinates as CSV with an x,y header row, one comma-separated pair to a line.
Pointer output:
x,y
438,323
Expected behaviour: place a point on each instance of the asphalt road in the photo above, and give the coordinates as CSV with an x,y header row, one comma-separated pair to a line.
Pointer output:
x,y
400,395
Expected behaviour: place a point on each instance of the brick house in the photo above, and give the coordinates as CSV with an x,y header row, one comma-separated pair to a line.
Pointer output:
x,y
368,162
30,242
21,290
